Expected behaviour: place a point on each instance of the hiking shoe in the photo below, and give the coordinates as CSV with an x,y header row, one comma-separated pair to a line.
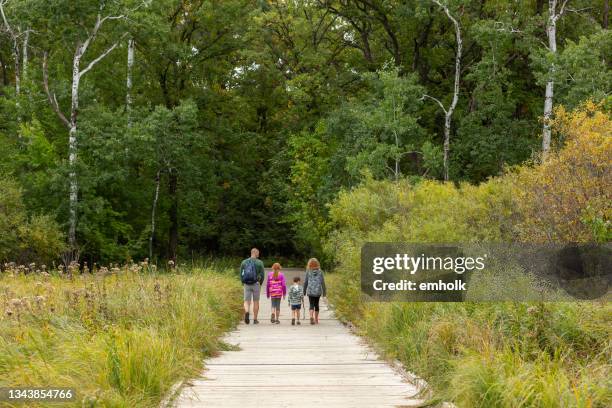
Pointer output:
x,y
293,322
312,320
255,321
277,321
246,318
272,318
298,322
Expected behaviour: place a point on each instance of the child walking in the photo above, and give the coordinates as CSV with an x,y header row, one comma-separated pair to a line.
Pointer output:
x,y
275,290
314,288
295,300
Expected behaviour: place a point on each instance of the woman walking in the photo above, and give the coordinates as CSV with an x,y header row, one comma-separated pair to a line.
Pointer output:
x,y
276,289
314,288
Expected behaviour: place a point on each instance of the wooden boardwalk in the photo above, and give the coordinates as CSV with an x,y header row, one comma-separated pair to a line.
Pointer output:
x,y
297,366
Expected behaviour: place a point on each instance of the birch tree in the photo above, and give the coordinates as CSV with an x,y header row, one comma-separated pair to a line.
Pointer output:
x,y
555,12
14,35
71,122
24,55
448,112
128,81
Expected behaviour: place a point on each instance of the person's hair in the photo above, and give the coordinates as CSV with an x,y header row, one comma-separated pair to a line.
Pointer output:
x,y
296,279
313,263
254,252
276,267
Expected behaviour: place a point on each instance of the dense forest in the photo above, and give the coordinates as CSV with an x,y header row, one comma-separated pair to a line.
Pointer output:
x,y
174,128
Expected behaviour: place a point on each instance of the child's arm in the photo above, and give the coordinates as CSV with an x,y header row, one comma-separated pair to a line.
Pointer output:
x,y
284,283
268,287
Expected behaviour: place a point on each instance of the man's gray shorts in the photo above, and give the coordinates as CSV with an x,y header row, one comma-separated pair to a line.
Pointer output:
x,y
251,292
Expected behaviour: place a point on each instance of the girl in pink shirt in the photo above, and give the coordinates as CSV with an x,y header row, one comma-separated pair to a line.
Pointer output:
x,y
275,290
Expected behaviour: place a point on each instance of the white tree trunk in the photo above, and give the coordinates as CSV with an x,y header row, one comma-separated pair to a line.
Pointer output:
x,y
551,33
446,146
17,61
17,70
24,55
153,208
14,47
128,84
398,155
73,147
448,113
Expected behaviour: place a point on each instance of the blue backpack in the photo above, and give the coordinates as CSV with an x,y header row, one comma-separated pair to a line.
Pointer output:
x,y
248,274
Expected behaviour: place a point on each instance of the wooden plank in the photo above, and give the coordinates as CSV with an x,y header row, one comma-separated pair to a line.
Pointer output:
x,y
297,366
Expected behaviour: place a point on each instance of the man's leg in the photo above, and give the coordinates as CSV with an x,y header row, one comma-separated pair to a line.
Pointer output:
x,y
248,294
256,292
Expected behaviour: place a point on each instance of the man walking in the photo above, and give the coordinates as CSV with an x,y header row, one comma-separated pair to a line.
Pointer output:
x,y
252,276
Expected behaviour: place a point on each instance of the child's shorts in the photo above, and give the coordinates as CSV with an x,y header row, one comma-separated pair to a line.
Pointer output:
x,y
296,307
276,303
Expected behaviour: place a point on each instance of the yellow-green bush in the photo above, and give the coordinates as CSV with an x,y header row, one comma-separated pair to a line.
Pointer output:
x,y
24,239
120,337
491,354
568,197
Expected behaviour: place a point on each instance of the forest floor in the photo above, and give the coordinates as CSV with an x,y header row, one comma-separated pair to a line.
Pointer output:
x,y
296,366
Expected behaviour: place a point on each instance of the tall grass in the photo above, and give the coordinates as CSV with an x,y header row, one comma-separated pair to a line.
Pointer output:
x,y
492,354
121,337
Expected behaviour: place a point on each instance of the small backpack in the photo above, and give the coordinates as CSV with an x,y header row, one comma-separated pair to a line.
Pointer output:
x,y
248,274
315,283
276,285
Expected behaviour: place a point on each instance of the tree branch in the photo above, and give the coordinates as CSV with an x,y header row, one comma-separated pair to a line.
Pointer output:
x,y
435,100
504,29
100,57
9,29
52,98
92,36
562,9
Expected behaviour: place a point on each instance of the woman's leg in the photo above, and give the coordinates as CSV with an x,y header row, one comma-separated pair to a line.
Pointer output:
x,y
311,307
316,310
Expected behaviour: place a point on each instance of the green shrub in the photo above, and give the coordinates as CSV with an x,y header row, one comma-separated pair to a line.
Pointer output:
x,y
22,238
